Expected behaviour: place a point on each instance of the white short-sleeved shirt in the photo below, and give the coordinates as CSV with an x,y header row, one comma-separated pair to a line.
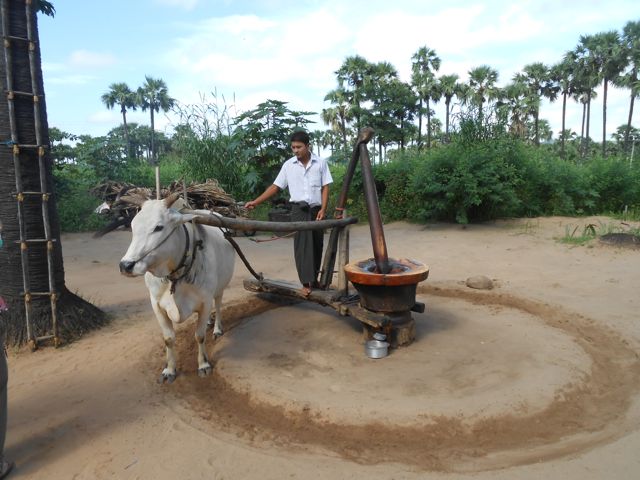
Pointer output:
x,y
305,184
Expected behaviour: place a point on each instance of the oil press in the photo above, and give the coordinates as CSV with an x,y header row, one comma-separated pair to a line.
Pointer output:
x,y
386,287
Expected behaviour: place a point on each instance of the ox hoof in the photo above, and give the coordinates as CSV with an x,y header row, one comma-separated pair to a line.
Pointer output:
x,y
204,371
166,377
217,334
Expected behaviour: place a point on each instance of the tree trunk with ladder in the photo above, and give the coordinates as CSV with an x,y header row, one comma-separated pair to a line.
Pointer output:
x,y
31,269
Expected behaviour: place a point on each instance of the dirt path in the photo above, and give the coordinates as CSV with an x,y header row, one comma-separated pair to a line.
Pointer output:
x,y
538,377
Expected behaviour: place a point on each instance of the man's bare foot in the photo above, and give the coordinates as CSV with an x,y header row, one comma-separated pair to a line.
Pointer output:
x,y
306,290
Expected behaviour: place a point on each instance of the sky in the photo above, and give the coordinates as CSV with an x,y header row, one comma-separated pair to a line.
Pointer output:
x,y
243,52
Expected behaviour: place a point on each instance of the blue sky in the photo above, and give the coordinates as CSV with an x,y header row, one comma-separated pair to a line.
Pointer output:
x,y
253,50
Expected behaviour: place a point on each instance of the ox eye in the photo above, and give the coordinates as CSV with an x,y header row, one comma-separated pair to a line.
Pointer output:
x,y
158,228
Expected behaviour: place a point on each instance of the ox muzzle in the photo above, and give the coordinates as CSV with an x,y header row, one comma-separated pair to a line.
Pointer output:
x,y
126,267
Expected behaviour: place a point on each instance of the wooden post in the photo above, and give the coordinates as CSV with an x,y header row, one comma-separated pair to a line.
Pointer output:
x,y
343,259
157,181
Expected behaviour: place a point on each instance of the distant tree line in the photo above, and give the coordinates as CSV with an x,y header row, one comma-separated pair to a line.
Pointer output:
x,y
243,151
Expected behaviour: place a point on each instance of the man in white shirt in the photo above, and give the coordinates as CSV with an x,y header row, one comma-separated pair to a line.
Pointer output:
x,y
307,177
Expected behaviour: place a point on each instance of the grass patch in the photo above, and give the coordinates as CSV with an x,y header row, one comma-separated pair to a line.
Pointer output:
x,y
628,214
582,235
577,236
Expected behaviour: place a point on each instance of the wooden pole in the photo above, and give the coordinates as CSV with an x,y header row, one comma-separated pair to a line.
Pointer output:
x,y
157,180
343,259
262,226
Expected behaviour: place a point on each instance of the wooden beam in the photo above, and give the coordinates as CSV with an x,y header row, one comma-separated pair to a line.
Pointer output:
x,y
291,289
330,298
263,226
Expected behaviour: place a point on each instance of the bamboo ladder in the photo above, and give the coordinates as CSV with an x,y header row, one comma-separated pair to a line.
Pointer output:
x,y
29,89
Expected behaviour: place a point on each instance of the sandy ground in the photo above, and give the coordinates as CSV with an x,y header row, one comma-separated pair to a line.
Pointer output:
x,y
536,378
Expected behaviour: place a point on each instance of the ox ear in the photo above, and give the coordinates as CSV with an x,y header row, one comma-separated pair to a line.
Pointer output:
x,y
170,200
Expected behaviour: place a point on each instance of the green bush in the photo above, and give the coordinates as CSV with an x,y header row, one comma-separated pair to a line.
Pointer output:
x,y
466,182
616,182
74,202
554,187
392,182
355,205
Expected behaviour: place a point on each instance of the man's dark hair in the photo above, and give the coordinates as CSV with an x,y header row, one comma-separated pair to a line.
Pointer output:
x,y
300,136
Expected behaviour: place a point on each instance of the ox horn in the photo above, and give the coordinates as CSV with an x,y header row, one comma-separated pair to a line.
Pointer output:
x,y
170,200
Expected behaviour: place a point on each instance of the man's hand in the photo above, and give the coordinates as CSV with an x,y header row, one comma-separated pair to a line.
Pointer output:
x,y
321,214
251,205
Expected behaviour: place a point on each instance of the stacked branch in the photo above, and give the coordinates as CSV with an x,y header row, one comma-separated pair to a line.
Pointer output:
x,y
123,200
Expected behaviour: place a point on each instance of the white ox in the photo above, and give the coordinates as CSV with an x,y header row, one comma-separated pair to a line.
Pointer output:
x,y
185,265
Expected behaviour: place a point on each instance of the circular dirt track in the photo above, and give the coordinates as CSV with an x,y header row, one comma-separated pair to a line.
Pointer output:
x,y
469,394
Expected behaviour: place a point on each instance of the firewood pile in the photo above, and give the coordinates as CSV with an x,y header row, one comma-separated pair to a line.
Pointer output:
x,y
121,200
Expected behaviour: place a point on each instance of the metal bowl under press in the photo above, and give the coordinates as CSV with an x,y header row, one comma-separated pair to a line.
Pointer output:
x,y
376,348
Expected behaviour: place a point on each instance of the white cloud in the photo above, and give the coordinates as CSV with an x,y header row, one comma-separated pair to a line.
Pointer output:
x,y
87,59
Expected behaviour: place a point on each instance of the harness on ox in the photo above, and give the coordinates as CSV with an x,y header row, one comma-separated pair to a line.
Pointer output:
x,y
197,245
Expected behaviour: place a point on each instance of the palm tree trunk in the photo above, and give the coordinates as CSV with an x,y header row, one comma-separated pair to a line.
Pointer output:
x,y
586,143
428,124
604,118
446,130
628,129
564,119
126,131
32,248
536,123
343,126
420,125
154,158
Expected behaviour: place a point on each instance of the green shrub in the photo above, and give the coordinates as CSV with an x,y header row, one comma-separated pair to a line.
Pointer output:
x,y
355,205
74,202
555,187
392,182
467,182
617,183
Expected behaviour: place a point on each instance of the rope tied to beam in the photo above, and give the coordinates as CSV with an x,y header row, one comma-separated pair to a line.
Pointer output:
x,y
227,234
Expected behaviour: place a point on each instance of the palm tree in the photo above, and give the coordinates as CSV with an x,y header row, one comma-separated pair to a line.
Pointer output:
x,y
449,87
537,80
587,77
154,96
482,84
317,139
120,94
338,116
32,278
606,53
425,64
562,74
352,76
513,104
329,140
631,80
